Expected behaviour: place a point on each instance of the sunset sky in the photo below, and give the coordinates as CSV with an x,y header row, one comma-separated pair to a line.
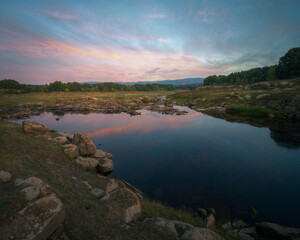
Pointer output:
x,y
118,41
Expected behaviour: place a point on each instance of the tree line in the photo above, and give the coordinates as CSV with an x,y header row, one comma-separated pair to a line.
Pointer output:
x,y
11,86
288,67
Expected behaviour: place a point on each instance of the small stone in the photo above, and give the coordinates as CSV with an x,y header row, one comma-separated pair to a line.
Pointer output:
x,y
87,184
5,176
202,212
209,222
239,224
98,192
212,211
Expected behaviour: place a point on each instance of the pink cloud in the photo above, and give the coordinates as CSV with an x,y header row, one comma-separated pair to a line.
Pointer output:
x,y
58,15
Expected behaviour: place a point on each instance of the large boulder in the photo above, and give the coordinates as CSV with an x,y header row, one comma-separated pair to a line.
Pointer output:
x,y
196,233
86,162
161,225
71,150
5,176
85,144
131,206
275,231
34,188
101,154
38,220
105,166
34,128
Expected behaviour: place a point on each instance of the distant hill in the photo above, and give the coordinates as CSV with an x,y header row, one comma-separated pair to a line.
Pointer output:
x,y
172,82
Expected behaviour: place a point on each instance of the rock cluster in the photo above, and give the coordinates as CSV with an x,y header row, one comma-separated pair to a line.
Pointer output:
x,y
179,230
41,218
89,105
78,146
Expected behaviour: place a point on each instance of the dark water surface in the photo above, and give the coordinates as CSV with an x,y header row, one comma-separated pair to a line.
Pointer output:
x,y
196,160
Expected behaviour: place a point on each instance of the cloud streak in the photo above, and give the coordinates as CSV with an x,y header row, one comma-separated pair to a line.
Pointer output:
x,y
103,41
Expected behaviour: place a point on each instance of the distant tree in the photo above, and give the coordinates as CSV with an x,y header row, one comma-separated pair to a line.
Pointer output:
x,y
57,86
289,64
9,84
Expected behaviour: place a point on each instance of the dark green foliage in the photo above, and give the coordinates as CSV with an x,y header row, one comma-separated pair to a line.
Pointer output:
x,y
77,87
9,84
288,67
251,76
289,64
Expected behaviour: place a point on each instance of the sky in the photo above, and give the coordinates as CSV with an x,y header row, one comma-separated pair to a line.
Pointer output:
x,y
125,40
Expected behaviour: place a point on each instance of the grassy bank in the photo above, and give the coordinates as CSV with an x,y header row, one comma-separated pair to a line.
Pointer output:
x,y
10,100
242,101
25,156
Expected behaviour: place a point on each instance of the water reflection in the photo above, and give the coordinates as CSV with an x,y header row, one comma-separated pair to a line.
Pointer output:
x,y
196,160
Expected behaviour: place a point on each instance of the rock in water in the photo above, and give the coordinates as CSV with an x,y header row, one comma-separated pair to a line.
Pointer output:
x,y
276,231
105,166
85,144
72,150
5,176
200,234
34,129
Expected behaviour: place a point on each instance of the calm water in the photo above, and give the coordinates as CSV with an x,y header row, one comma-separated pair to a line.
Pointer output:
x,y
197,161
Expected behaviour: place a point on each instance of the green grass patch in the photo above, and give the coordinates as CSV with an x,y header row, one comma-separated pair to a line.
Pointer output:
x,y
252,111
155,209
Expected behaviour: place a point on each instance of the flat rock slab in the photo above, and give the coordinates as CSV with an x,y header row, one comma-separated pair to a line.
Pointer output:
x,y
276,231
38,220
34,128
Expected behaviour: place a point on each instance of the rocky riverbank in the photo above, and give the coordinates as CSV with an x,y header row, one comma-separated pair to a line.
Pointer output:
x,y
87,105
112,207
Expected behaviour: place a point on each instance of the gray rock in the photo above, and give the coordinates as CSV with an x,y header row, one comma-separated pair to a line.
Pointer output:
x,y
131,208
33,128
273,230
209,222
86,162
182,226
294,102
202,212
61,140
162,224
261,85
5,176
35,188
38,220
239,234
87,185
226,226
212,211
71,150
200,234
105,166
262,96
100,154
97,192
85,144
239,224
